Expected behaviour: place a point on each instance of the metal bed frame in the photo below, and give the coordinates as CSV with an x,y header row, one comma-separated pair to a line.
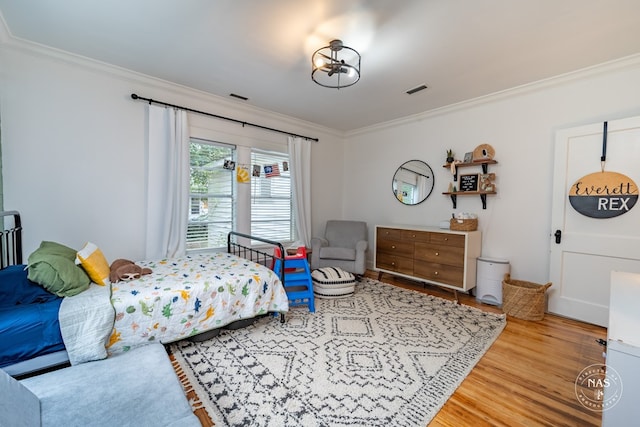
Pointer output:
x,y
258,254
10,239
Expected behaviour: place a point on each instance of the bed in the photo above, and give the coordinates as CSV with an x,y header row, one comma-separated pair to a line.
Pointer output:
x,y
183,298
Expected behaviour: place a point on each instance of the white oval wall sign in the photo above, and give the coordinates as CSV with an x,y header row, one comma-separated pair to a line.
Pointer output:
x,y
603,194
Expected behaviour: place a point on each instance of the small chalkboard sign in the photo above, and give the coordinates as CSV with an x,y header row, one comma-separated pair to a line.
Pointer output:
x,y
469,182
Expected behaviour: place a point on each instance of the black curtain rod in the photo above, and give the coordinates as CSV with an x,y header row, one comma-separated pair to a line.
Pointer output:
x,y
417,173
149,100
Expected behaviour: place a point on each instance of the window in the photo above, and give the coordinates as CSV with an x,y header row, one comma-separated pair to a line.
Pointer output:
x,y
211,195
271,202
216,202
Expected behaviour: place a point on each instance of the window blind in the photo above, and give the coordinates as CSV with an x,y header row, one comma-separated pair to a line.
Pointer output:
x,y
271,200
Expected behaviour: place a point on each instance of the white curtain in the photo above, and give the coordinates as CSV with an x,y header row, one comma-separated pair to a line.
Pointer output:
x,y
167,183
421,189
300,158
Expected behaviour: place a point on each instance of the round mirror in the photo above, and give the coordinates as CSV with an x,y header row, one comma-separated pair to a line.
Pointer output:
x,y
413,182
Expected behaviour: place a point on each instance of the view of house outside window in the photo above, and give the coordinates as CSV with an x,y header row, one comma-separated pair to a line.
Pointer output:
x,y
213,196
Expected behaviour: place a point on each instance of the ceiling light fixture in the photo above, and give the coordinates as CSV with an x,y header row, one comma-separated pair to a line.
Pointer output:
x,y
335,66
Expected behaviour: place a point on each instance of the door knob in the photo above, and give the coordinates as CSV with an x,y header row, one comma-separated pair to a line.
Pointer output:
x,y
558,235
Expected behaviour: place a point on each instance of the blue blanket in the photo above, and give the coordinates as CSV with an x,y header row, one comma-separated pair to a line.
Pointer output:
x,y
29,323
29,330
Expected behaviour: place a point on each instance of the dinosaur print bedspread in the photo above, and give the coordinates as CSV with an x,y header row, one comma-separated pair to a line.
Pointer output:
x,y
186,296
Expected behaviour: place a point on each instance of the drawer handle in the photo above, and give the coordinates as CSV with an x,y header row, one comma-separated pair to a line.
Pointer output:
x,y
435,273
446,238
437,253
413,235
393,246
393,263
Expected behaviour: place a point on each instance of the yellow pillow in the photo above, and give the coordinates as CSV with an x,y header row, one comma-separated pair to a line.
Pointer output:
x,y
94,263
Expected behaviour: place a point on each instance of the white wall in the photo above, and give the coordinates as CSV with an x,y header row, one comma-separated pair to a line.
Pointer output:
x,y
520,125
74,145
74,152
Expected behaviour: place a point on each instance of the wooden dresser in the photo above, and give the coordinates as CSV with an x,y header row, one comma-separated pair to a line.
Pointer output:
x,y
439,256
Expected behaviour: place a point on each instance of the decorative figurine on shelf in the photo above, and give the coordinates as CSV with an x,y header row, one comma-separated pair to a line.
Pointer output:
x,y
487,182
483,152
449,155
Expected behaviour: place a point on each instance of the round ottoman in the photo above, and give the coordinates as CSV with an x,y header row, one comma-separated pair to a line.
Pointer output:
x,y
332,282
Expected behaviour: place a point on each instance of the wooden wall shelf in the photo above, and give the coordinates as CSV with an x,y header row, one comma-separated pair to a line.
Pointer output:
x,y
483,194
484,164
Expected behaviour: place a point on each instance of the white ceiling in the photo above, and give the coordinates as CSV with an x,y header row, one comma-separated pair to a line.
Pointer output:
x,y
461,49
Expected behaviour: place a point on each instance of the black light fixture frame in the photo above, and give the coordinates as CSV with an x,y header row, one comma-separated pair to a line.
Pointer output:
x,y
332,65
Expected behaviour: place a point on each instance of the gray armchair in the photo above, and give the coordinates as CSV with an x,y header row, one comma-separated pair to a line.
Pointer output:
x,y
344,245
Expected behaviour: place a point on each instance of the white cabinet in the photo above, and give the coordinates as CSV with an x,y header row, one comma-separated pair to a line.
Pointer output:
x,y
622,388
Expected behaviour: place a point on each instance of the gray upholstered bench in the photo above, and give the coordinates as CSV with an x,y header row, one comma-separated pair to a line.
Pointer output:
x,y
135,388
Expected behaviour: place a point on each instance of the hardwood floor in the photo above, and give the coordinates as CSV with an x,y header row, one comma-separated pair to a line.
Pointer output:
x,y
527,378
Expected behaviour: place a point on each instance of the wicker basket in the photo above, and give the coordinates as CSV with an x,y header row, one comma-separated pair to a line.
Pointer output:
x,y
463,224
524,300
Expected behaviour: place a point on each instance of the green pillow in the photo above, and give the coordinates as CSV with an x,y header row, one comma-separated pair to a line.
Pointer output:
x,y
53,248
53,267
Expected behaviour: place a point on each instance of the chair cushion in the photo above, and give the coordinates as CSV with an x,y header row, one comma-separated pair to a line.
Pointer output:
x,y
346,234
337,253
332,282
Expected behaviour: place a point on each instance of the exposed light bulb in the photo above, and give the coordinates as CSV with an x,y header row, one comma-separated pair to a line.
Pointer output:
x,y
329,61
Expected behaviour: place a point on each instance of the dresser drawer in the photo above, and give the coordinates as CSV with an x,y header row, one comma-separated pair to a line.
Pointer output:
x,y
394,263
395,247
448,255
416,236
389,234
456,240
453,276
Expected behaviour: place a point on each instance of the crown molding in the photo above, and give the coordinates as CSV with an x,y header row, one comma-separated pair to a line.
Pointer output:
x,y
11,42
627,62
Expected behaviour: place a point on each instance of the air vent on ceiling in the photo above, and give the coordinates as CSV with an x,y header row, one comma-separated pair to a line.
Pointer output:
x,y
416,89
244,98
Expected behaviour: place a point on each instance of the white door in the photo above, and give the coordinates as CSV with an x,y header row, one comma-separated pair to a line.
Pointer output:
x,y
590,248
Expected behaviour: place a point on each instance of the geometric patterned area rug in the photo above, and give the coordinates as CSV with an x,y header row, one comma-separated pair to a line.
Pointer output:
x,y
385,356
